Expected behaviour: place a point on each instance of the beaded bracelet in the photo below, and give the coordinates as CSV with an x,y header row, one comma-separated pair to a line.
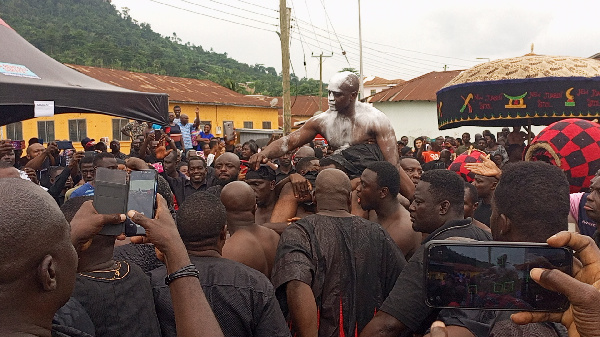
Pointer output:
x,y
189,270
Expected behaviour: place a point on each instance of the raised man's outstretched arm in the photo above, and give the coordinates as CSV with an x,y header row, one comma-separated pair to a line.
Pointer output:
x,y
284,144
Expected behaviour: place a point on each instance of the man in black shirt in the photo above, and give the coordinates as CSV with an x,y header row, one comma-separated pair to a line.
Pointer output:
x,y
333,269
485,189
437,210
242,298
201,178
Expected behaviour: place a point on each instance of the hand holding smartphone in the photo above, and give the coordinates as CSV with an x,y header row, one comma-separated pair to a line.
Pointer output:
x,y
492,275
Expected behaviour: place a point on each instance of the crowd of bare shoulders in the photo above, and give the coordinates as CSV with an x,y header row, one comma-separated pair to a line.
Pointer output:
x,y
321,232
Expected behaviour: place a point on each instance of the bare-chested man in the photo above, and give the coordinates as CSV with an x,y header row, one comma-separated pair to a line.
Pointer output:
x,y
378,191
262,182
346,123
250,244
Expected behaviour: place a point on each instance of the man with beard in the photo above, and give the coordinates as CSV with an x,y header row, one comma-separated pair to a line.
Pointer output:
x,y
437,210
249,243
378,191
285,167
201,178
227,169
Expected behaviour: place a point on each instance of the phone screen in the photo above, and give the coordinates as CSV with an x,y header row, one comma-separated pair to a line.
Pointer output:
x,y
142,195
493,275
110,196
228,128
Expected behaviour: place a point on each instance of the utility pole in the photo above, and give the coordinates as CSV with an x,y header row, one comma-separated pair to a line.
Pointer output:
x,y
321,79
284,23
360,82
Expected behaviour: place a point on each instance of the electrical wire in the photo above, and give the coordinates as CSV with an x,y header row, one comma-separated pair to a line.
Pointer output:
x,y
251,3
334,32
243,9
224,12
212,17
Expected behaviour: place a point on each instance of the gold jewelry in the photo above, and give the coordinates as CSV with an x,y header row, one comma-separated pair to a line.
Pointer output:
x,y
108,274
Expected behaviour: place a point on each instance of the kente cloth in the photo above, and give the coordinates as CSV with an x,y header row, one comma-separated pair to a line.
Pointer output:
x,y
574,146
351,265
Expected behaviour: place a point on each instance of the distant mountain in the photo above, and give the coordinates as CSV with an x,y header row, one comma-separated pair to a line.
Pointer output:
x,y
95,33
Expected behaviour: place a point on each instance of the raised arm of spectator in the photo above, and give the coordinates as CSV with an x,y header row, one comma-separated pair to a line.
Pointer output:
x,y
193,315
144,147
60,182
197,120
37,162
127,130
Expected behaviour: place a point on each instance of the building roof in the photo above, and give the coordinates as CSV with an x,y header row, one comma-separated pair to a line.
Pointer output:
x,y
380,81
180,89
422,88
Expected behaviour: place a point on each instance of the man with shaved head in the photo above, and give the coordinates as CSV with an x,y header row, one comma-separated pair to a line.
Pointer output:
x,y
37,260
242,298
250,244
333,269
357,130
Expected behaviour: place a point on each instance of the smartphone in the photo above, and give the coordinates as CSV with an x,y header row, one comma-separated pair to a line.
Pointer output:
x,y
141,197
110,196
157,134
492,275
64,144
228,130
18,144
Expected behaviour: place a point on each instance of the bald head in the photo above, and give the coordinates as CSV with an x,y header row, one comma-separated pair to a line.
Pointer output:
x,y
237,196
332,189
32,227
228,157
345,81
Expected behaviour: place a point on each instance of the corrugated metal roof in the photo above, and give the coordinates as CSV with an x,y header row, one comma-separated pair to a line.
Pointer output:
x,y
422,88
303,107
377,81
180,89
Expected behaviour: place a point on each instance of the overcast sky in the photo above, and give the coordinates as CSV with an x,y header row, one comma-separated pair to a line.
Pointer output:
x,y
401,39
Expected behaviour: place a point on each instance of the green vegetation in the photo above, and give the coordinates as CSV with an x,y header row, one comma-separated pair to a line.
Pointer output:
x,y
95,33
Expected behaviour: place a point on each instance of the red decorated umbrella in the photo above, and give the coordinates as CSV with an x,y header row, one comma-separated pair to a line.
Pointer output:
x,y
458,165
572,145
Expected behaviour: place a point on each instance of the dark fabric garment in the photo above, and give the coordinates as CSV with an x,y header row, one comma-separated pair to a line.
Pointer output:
x,y
65,331
503,326
434,165
120,155
279,176
483,213
360,156
479,322
43,174
241,298
118,302
59,184
586,225
182,187
74,316
406,301
350,263
144,256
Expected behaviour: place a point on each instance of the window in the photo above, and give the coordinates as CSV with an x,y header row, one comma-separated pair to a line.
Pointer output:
x,y
248,125
117,125
46,131
373,91
266,125
14,131
77,130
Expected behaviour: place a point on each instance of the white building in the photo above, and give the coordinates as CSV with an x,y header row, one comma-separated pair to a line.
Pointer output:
x,y
374,84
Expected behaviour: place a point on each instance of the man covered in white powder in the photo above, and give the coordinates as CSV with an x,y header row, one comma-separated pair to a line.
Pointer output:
x,y
354,129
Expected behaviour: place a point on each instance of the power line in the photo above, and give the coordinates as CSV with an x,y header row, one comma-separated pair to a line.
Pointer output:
x,y
334,32
251,3
243,9
394,47
309,18
224,12
212,17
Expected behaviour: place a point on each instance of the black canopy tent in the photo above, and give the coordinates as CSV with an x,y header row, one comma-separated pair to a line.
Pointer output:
x,y
28,75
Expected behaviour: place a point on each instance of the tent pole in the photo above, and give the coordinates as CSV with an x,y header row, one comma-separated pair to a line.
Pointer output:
x,y
528,131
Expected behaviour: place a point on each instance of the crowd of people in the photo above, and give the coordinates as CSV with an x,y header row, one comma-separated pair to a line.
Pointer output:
x,y
302,237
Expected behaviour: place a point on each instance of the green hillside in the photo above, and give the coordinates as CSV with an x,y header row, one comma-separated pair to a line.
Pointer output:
x,y
95,33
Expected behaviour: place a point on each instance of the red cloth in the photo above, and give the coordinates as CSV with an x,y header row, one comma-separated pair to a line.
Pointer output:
x,y
430,156
458,165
